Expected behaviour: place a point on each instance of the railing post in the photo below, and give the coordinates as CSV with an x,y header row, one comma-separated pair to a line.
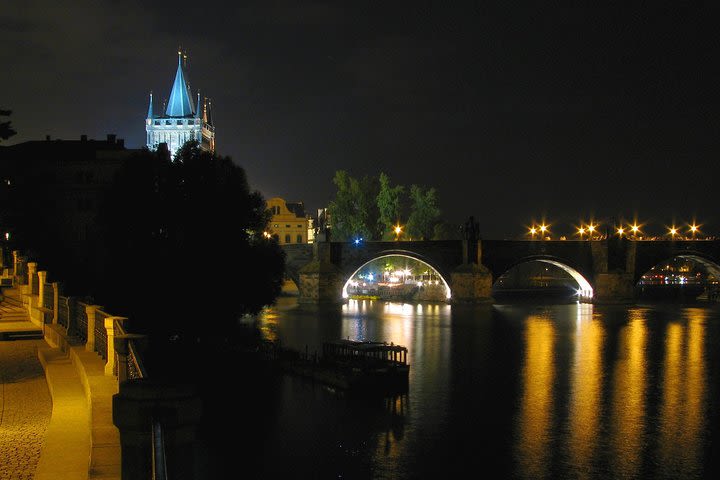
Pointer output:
x,y
56,301
31,271
42,276
16,259
110,329
90,311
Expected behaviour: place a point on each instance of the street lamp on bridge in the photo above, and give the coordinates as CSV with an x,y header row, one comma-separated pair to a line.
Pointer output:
x,y
693,230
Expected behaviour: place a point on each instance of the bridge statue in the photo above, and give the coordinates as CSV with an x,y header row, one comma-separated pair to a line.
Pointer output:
x,y
471,230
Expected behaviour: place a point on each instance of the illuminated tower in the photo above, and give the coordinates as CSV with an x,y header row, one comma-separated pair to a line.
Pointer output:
x,y
181,121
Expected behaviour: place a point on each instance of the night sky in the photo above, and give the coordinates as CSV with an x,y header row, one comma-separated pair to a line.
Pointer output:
x,y
514,113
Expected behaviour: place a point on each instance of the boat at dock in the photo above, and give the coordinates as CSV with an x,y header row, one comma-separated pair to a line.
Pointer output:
x,y
351,365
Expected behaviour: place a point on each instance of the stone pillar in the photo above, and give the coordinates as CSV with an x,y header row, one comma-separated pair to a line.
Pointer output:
x,y
31,272
321,281
110,329
471,283
42,276
613,287
135,408
56,301
90,311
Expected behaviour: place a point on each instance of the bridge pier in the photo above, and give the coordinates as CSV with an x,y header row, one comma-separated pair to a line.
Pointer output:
x,y
320,280
613,288
471,282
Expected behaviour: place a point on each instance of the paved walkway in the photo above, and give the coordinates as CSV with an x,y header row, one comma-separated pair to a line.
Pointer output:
x,y
25,408
55,403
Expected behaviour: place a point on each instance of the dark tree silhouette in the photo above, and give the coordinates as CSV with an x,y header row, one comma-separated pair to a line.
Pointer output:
x,y
6,130
183,255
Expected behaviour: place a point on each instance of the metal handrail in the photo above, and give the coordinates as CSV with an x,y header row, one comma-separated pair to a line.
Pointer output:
x,y
159,464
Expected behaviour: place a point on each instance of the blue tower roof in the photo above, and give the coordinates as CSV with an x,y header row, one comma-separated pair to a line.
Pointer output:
x,y
180,103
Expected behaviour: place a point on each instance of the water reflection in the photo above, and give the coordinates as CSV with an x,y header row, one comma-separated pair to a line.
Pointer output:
x,y
536,408
682,400
562,391
628,412
585,402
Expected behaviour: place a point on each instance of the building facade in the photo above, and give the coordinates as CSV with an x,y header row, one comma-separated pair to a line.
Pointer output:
x,y
289,223
181,120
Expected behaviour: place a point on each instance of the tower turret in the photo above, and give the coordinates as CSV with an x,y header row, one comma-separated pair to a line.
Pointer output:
x,y
180,121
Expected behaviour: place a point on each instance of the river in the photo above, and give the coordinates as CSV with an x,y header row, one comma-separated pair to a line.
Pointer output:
x,y
521,391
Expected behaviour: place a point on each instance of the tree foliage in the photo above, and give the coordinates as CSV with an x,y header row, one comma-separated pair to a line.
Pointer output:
x,y
424,212
389,204
370,207
182,246
353,212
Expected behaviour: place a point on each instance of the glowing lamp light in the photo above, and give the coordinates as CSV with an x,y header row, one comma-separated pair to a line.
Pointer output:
x,y
620,231
635,229
591,228
543,228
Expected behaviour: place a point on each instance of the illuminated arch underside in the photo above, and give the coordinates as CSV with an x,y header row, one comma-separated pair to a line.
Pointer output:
x,y
447,287
585,290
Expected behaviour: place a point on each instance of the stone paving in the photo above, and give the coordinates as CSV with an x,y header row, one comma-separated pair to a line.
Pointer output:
x,y
25,408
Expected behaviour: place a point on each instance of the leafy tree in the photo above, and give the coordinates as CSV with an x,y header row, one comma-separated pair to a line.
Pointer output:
x,y
184,243
353,212
6,130
424,212
389,206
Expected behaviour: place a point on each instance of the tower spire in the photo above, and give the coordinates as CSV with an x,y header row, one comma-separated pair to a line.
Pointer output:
x,y
197,106
180,103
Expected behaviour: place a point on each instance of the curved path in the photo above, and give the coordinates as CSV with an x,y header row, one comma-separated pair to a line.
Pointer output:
x,y
25,408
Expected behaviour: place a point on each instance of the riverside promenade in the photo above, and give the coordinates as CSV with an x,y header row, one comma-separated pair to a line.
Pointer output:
x,y
55,401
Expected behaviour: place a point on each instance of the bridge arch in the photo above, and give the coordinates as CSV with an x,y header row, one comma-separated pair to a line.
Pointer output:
x,y
349,274
585,289
711,263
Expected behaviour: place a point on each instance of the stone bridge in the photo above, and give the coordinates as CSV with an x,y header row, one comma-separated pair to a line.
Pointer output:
x,y
606,270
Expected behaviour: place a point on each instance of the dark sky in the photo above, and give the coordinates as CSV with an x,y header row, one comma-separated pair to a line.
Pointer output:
x,y
515,111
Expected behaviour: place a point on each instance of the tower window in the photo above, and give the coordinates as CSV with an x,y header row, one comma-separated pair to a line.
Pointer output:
x,y
287,238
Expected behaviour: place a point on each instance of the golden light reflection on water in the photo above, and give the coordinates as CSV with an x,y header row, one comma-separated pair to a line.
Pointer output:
x,y
536,407
628,416
269,325
683,391
585,389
